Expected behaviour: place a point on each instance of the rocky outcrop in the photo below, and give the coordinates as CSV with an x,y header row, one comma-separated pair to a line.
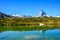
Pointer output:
x,y
2,15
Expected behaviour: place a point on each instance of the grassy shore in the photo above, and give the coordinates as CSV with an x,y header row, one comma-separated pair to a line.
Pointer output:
x,y
24,28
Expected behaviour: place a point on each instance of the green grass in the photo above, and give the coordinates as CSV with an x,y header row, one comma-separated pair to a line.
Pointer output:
x,y
24,28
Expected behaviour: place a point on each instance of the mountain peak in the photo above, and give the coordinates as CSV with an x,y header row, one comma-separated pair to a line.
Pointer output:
x,y
2,15
42,13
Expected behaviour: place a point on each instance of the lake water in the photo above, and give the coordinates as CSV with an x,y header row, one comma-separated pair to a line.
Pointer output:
x,y
31,35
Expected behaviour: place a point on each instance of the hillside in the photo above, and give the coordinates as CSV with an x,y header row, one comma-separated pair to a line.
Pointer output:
x,y
3,15
29,21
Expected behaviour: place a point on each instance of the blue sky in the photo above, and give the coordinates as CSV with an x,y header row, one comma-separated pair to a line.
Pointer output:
x,y
30,7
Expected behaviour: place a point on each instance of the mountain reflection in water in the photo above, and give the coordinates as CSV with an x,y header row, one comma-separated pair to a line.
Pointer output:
x,y
31,35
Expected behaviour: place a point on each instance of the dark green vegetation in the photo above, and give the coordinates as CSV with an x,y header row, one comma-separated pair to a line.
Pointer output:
x,y
13,23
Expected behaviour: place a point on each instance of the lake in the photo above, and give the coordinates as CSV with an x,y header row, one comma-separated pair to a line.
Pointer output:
x,y
53,34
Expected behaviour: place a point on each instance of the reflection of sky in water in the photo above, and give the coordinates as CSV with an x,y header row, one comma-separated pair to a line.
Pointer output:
x,y
16,35
30,35
52,33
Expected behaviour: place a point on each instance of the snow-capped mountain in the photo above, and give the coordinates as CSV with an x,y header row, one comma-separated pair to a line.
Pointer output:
x,y
3,15
17,15
42,13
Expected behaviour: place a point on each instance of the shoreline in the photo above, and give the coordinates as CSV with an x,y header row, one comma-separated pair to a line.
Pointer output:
x,y
27,28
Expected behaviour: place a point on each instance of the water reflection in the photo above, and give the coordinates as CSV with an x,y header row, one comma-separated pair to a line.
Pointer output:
x,y
31,35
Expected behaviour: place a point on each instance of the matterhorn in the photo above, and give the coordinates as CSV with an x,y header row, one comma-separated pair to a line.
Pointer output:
x,y
42,13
